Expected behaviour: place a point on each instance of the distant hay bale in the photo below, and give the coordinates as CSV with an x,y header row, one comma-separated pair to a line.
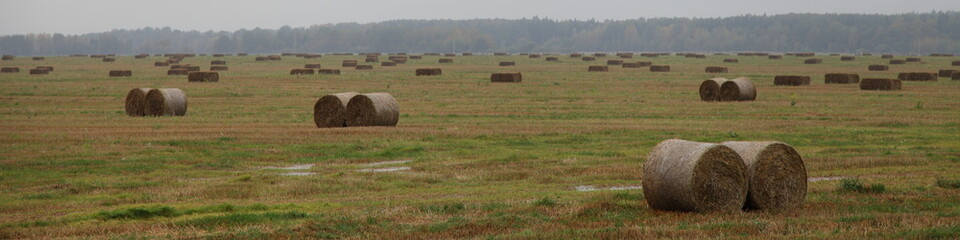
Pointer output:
x,y
738,89
218,62
446,60
120,73
373,109
161,64
429,72
106,59
597,69
534,56
775,57
274,58
348,63
614,62
631,65
576,55
39,71
506,77
588,59
552,59
177,72
645,64
955,75
329,71
880,84
917,76
716,69
913,59
878,68
681,175
9,70
371,59
955,63
48,68
500,54
791,80
312,56
218,68
260,59
330,110
813,61
301,71
847,58
166,102
449,54
364,67
659,68
505,64
841,78
388,64
242,54
203,77
834,54
218,55
710,89
141,56
416,57
39,58
805,54
731,60
136,102
7,57
98,56
897,62
776,175
599,54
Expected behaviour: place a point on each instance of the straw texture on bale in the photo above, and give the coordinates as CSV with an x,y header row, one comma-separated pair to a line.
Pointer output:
x,y
738,89
120,73
506,77
791,80
312,66
946,72
681,175
39,71
166,102
710,89
373,109
880,84
776,176
841,78
917,76
878,68
9,70
660,68
136,102
203,77
330,110
428,71
716,69
597,69
218,68
813,61
329,71
504,64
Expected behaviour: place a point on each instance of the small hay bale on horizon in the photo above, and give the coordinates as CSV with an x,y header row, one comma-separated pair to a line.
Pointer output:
x,y
218,62
917,76
813,61
445,60
847,58
731,60
588,59
877,67
120,73
897,62
614,62
774,57
687,176
597,69
329,71
107,59
364,67
301,71
9,70
552,59
388,64
506,64
659,68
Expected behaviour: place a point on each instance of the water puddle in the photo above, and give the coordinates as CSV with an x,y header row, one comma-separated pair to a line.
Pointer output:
x,y
817,179
386,163
297,174
588,188
294,167
392,169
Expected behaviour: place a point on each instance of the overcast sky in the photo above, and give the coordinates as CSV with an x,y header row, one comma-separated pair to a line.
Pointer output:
x,y
77,16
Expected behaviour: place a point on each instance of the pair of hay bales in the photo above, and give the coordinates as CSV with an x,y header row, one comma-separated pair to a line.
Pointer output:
x,y
686,176
156,102
716,70
9,70
352,109
120,73
917,76
878,67
660,68
203,77
41,70
724,90
506,77
791,80
883,84
429,72
841,78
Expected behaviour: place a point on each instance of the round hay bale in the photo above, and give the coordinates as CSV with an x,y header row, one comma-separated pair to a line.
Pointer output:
x,y
847,58
776,176
886,56
955,75
161,64
166,102
738,89
913,59
7,57
136,102
39,58
576,55
218,62
955,63
330,110
106,59
681,175
373,109
710,89
259,59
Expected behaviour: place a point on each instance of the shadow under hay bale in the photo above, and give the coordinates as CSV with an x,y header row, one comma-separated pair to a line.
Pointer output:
x,y
710,89
505,64
716,69
166,102
597,69
177,72
847,58
945,73
506,77
218,68
738,89
731,60
120,73
330,110
813,61
880,84
301,71
364,67
203,77
659,68
446,60
373,109
329,71
878,68
687,176
614,62
9,70
136,102
917,76
428,72
776,175
218,62
791,80
841,78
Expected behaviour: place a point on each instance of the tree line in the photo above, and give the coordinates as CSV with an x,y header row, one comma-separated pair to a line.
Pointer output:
x,y
933,32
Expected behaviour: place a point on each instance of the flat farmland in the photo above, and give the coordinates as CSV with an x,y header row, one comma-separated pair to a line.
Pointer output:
x,y
558,155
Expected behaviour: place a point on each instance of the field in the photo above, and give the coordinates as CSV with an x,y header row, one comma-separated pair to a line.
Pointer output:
x,y
557,156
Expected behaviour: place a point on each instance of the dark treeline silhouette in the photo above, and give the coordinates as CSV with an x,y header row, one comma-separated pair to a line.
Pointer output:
x,y
934,32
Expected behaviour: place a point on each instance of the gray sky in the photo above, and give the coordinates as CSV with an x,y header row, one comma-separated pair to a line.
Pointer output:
x,y
79,16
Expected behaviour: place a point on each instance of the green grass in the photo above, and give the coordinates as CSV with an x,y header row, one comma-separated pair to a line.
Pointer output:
x,y
854,185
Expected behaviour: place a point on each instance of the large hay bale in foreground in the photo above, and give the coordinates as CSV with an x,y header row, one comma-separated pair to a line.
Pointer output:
x,y
659,68
841,78
39,71
9,70
120,73
166,102
429,72
880,84
710,89
597,69
738,89
203,77
506,64
813,61
373,109
917,76
329,71
446,60
878,68
716,69
301,71
776,175
136,102
218,68
506,77
791,80
681,175
330,110
945,73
